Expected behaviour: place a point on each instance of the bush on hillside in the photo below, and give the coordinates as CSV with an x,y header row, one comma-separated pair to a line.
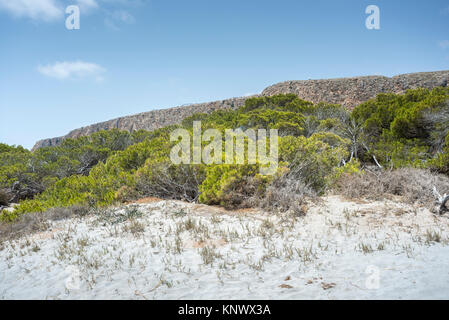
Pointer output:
x,y
313,159
232,186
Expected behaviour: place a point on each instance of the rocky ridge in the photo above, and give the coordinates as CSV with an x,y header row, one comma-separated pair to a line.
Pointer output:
x,y
348,92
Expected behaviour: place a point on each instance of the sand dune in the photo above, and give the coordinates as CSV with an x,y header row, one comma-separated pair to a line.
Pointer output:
x,y
173,250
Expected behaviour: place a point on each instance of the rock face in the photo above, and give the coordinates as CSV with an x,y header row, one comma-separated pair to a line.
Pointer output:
x,y
150,120
348,92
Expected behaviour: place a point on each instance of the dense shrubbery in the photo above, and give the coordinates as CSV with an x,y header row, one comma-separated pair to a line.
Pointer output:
x,y
314,159
25,174
408,129
232,185
441,160
321,145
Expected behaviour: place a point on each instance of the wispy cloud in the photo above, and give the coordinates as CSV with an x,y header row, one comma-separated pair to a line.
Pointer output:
x,y
133,3
123,16
46,10
444,44
87,5
117,17
49,10
72,70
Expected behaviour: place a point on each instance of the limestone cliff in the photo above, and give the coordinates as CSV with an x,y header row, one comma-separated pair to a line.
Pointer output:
x,y
348,92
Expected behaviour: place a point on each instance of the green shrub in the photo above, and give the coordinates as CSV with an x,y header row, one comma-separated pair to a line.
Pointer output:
x,y
349,169
312,158
440,162
232,186
288,123
403,129
401,153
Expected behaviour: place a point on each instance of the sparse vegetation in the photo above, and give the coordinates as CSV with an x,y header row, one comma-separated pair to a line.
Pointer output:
x,y
208,254
433,236
415,185
365,248
135,227
37,222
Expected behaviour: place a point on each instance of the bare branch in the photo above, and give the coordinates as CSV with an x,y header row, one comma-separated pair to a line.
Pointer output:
x,y
442,200
443,207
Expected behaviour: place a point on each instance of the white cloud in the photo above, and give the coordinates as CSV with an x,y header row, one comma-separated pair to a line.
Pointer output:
x,y
72,70
132,3
49,10
35,9
118,16
444,44
87,5
123,16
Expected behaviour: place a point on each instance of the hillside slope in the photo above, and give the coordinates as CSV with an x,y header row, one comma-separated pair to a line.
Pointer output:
x,y
348,92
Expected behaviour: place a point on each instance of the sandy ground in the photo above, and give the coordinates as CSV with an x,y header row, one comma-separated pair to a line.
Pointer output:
x,y
173,250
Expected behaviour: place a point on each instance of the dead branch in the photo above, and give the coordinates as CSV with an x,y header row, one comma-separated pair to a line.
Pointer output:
x,y
442,200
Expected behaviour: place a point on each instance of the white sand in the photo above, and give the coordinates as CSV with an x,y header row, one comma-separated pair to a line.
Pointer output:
x,y
340,250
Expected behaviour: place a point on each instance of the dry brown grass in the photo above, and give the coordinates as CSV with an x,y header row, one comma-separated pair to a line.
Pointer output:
x,y
287,193
4,198
415,185
146,200
37,222
135,227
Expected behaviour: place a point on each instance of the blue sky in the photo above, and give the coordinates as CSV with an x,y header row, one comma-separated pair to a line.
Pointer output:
x,y
136,55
